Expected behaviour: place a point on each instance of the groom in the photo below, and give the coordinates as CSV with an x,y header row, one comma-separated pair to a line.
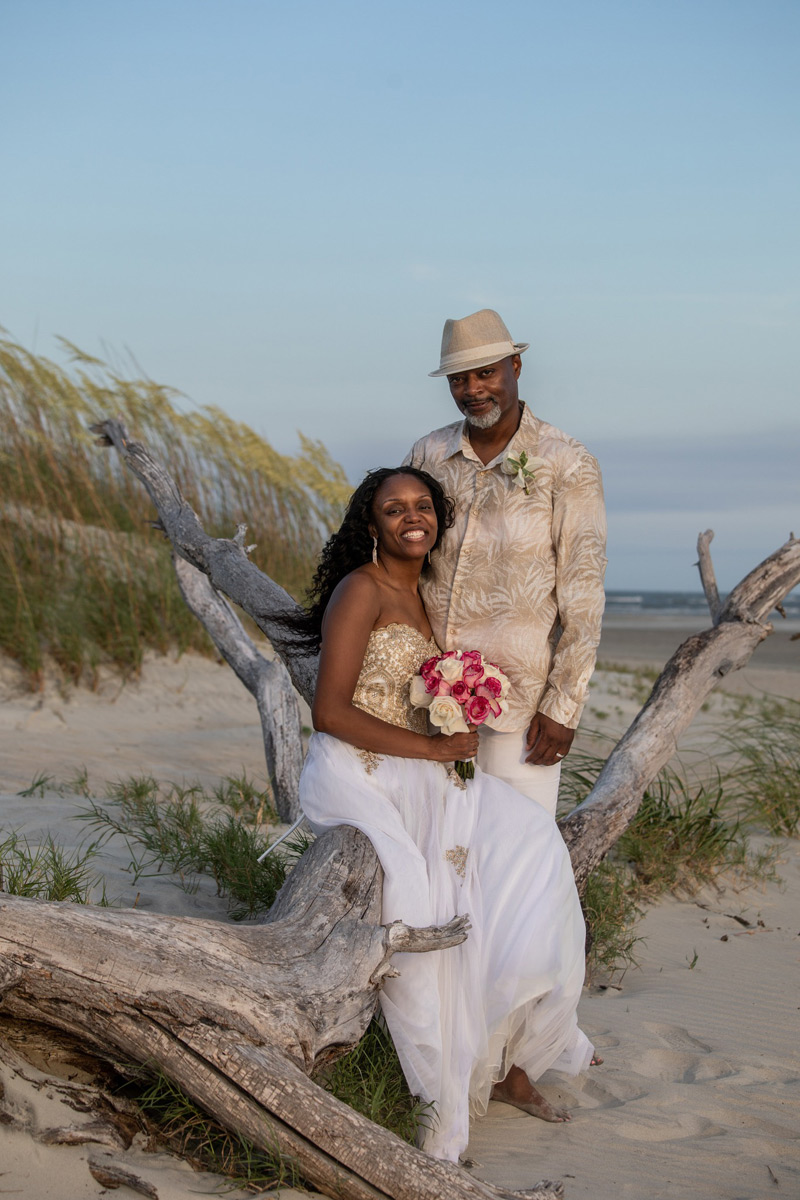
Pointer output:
x,y
520,574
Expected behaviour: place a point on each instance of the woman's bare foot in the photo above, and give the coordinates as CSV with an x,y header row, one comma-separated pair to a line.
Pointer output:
x,y
596,1061
518,1090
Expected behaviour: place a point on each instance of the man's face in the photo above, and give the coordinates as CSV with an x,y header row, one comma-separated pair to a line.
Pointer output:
x,y
487,394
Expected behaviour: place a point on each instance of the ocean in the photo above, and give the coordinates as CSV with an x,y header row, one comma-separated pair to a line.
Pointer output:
x,y
676,603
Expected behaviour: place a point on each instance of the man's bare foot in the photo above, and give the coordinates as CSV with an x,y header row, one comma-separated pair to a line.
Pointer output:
x,y
518,1090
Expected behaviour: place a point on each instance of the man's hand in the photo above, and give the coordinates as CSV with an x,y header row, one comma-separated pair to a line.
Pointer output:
x,y
547,741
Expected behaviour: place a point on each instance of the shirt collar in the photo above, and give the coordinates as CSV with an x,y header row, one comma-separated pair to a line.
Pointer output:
x,y
526,438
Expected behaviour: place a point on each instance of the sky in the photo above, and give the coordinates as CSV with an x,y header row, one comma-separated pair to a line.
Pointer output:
x,y
273,207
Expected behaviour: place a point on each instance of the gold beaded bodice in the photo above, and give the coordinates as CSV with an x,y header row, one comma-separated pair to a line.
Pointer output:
x,y
394,653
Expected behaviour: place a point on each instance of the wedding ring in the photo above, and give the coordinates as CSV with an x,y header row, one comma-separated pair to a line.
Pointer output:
x,y
559,755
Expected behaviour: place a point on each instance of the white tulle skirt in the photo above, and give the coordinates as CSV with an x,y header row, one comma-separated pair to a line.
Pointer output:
x,y
461,1017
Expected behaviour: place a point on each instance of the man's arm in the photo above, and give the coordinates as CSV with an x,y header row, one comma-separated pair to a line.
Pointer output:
x,y
579,538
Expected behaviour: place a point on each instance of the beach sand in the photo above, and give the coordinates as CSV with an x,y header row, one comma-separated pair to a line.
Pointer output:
x,y
699,1094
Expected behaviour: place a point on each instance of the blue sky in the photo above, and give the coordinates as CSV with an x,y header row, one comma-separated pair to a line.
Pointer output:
x,y
274,207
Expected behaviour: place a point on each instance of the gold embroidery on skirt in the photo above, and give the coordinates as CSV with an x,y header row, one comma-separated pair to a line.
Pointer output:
x,y
369,759
458,857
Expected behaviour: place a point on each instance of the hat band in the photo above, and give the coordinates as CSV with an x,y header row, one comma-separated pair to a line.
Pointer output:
x,y
499,349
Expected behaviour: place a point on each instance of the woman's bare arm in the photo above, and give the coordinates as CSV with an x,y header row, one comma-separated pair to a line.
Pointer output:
x,y
353,612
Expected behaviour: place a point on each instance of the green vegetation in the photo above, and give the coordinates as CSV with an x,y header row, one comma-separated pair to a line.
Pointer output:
x,y
370,1079
192,834
82,579
173,1118
765,779
48,872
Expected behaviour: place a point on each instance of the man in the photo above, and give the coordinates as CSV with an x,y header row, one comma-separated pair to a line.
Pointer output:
x,y
520,575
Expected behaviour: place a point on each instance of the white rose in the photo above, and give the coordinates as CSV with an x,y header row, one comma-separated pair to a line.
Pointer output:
x,y
418,694
535,464
447,714
451,669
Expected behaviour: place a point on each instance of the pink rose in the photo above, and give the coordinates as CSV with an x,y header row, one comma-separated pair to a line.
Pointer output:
x,y
473,675
476,710
473,657
444,688
491,698
490,686
460,691
432,681
428,667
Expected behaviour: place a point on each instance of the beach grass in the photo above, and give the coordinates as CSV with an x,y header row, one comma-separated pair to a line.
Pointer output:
x,y
370,1079
173,1119
764,780
191,833
691,827
84,580
49,872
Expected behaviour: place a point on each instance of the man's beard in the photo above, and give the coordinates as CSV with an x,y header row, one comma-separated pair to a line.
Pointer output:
x,y
484,420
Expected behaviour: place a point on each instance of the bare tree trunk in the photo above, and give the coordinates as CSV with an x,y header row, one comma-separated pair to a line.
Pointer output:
x,y
266,679
238,1016
691,674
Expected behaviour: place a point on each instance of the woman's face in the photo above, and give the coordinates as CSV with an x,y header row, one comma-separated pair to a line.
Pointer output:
x,y
403,518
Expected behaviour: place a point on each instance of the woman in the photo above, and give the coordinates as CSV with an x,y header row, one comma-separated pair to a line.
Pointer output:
x,y
488,1016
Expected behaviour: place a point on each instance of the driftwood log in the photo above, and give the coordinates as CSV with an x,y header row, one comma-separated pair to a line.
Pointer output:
x,y
265,678
239,1017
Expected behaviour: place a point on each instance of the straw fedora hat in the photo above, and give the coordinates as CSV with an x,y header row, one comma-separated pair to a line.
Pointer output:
x,y
475,341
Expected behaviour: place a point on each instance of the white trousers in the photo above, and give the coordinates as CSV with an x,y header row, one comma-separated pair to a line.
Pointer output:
x,y
503,755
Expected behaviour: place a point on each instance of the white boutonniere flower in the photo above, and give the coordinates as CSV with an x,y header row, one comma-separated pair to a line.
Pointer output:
x,y
523,469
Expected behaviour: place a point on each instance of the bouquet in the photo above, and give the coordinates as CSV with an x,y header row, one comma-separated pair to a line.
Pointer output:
x,y
460,689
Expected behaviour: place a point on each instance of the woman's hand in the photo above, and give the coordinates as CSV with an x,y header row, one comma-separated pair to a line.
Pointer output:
x,y
458,747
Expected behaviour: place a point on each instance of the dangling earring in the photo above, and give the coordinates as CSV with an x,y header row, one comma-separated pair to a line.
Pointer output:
x,y
429,558
375,550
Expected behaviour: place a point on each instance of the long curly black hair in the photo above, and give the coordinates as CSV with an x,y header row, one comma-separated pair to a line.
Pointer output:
x,y
351,547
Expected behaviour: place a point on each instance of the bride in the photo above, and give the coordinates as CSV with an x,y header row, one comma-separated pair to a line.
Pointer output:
x,y
486,1018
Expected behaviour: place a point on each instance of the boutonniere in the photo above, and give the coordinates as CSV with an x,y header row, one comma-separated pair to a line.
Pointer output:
x,y
523,469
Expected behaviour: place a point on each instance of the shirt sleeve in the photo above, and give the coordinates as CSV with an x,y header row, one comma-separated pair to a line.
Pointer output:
x,y
579,538
415,456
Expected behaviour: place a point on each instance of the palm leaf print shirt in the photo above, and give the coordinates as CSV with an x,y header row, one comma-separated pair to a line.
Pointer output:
x,y
520,574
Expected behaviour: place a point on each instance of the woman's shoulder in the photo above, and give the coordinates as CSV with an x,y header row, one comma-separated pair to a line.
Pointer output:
x,y
358,591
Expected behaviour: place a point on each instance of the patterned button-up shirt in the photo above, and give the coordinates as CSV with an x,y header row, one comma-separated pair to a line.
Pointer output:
x,y
520,577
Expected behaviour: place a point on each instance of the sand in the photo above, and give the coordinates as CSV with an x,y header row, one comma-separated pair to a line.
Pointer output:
x,y
699,1094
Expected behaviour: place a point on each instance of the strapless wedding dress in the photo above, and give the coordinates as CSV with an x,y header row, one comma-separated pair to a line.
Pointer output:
x,y
458,1017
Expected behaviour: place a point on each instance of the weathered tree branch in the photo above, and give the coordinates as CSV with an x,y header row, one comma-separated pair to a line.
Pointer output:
x,y
266,679
691,674
223,560
708,576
